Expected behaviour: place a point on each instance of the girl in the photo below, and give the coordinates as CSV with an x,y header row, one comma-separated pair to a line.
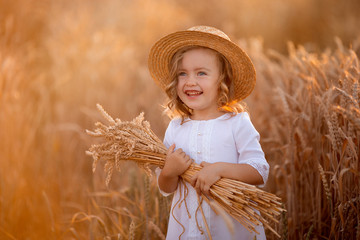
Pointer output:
x,y
205,75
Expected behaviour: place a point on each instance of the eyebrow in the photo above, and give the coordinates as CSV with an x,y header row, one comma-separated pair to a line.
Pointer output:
x,y
197,69
202,68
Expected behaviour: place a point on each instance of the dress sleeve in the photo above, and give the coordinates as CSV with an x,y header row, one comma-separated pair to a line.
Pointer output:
x,y
168,138
248,146
167,142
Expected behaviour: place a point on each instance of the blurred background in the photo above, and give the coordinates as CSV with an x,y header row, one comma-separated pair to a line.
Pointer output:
x,y
59,58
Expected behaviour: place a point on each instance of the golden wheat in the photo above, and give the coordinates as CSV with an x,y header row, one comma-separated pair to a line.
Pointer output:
x,y
314,120
156,229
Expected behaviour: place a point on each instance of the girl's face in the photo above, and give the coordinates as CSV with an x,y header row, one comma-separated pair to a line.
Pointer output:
x,y
198,82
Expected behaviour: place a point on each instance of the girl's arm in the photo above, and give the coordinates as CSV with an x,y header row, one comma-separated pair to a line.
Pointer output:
x,y
212,172
176,163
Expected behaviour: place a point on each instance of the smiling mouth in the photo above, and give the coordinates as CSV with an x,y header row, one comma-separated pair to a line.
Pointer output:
x,y
192,93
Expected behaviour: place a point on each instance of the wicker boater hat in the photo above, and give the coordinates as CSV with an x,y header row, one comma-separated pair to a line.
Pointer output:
x,y
244,76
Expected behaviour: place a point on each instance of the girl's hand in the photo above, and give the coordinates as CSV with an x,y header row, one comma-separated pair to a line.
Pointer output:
x,y
206,177
176,162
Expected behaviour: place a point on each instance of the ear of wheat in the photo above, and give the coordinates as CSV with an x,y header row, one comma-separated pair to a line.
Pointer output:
x,y
135,141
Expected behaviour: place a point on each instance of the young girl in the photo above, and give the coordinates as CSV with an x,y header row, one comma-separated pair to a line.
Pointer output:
x,y
205,76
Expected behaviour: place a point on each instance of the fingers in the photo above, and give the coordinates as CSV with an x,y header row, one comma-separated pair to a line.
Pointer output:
x,y
197,184
193,180
202,187
188,161
206,189
198,187
181,153
171,149
204,164
178,151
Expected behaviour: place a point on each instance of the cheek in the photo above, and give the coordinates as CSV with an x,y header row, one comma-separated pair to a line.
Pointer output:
x,y
179,93
179,87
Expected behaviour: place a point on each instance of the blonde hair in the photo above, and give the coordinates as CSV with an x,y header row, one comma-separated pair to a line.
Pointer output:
x,y
175,107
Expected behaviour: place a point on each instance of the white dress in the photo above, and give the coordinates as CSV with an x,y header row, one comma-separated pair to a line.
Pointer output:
x,y
224,139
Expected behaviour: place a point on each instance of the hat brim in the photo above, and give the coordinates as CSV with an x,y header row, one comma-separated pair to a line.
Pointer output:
x,y
244,75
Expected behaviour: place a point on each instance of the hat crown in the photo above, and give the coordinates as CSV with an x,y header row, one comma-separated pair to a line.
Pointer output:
x,y
211,30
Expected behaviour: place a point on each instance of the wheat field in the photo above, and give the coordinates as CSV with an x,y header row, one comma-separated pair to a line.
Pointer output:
x,y
59,58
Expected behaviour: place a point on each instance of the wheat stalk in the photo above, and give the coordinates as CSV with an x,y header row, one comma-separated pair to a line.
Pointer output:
x,y
136,142
151,225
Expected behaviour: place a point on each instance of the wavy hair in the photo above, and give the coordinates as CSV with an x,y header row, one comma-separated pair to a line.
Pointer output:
x,y
175,107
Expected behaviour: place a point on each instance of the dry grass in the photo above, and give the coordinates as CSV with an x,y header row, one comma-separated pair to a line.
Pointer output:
x,y
57,59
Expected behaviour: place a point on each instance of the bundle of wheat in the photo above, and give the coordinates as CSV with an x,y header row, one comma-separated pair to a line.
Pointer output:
x,y
136,142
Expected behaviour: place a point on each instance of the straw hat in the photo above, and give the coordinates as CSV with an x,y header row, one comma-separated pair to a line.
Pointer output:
x,y
244,76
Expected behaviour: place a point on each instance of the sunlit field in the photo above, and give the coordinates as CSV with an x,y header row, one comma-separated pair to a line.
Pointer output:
x,y
59,58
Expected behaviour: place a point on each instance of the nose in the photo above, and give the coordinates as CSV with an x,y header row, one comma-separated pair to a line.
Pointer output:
x,y
190,81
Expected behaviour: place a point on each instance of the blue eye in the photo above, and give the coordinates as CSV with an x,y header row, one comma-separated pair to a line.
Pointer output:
x,y
181,74
201,73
